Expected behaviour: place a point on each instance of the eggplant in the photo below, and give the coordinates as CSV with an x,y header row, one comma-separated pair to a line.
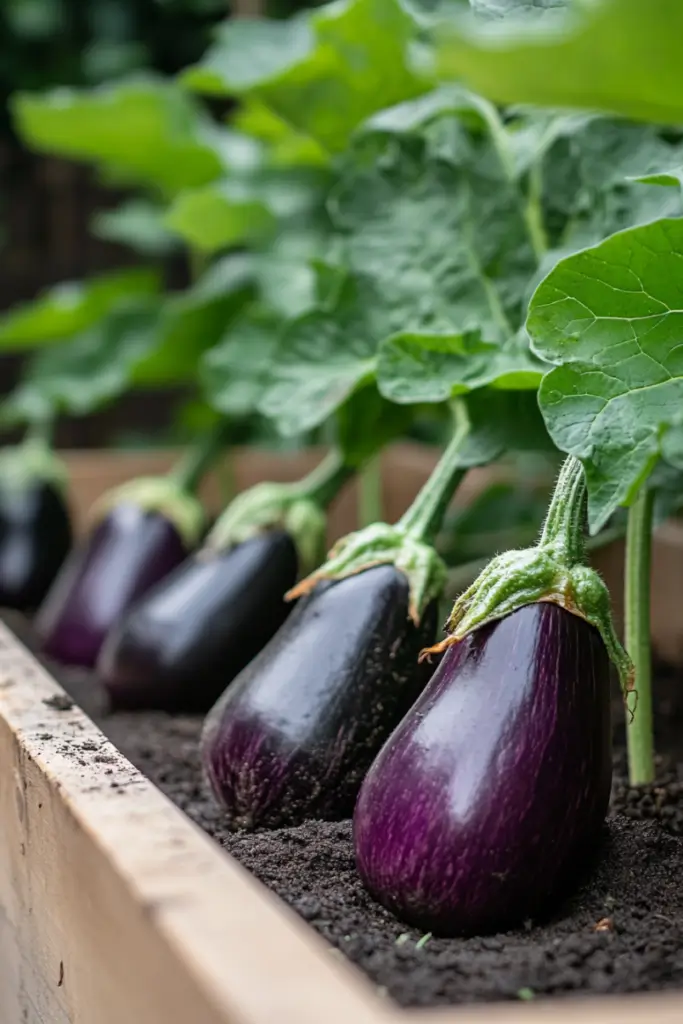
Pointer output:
x,y
489,798
179,647
294,735
129,550
35,538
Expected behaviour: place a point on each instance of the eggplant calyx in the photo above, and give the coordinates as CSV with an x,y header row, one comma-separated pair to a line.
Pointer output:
x,y
160,494
31,462
518,578
271,506
381,544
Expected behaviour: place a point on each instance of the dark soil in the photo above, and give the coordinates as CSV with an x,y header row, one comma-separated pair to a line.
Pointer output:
x,y
621,932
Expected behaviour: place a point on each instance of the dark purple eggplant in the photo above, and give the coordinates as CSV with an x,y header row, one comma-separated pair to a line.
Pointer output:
x,y
35,537
294,735
180,646
128,551
489,797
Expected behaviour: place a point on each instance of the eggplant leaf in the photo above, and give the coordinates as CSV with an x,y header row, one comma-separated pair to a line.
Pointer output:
x,y
139,224
146,131
572,59
323,72
611,316
366,423
238,210
320,360
502,421
434,368
72,307
234,371
86,372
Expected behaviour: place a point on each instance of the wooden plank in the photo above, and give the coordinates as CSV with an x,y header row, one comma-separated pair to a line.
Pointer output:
x,y
114,908
632,1009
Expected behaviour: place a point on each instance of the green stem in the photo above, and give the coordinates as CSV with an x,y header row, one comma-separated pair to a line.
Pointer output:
x,y
424,517
370,493
639,733
189,471
564,527
324,482
40,432
533,211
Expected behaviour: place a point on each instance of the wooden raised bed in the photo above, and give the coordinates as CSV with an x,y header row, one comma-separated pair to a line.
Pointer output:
x,y
115,909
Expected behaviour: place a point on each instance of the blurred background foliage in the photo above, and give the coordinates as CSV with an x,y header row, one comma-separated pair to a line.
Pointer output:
x,y
56,219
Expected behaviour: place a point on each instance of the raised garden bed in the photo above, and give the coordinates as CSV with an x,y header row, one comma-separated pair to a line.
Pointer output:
x,y
114,907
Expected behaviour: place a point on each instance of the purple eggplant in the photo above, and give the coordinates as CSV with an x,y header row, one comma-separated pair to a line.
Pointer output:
x,y
180,646
129,550
294,735
489,797
35,537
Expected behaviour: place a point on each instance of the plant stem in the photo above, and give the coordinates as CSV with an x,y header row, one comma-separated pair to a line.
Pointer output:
x,y
324,482
424,517
639,735
370,493
564,526
189,471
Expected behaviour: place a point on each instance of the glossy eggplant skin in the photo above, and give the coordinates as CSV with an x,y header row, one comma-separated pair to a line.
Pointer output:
x,y
35,537
489,798
294,735
128,551
180,646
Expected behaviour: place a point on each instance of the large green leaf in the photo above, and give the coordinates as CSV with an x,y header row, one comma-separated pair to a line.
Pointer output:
x,y
322,72
366,423
233,372
137,223
434,368
621,56
320,361
88,371
611,316
240,210
71,307
145,130
286,147
192,321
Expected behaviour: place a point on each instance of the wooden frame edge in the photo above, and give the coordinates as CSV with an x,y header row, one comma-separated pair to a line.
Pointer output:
x,y
99,927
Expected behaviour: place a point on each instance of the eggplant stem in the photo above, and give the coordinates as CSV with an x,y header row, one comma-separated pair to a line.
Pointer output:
x,y
190,469
639,732
322,484
423,519
370,493
564,526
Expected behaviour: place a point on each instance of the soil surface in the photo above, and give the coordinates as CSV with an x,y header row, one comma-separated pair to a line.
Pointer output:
x,y
621,932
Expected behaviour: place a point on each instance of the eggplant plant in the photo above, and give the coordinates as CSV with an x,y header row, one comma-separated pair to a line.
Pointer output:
x,y
293,736
487,801
139,532
183,642
35,526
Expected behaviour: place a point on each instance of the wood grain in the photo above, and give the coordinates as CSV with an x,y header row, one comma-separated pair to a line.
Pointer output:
x,y
115,909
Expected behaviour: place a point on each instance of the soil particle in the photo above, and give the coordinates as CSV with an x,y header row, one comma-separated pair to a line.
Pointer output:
x,y
59,702
621,932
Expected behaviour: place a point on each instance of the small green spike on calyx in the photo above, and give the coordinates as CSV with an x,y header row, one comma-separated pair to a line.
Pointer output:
x,y
554,570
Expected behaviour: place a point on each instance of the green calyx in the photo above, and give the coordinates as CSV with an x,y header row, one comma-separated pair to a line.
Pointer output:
x,y
297,508
30,462
381,544
553,570
161,494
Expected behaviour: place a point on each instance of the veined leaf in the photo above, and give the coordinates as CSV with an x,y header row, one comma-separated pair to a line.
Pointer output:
x,y
612,317
71,307
233,373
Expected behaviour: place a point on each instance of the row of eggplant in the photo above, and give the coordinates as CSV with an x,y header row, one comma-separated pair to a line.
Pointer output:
x,y
478,784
